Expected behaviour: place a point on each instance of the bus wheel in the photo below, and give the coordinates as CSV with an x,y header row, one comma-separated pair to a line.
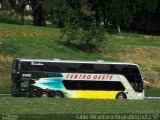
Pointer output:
x,y
121,96
44,95
58,94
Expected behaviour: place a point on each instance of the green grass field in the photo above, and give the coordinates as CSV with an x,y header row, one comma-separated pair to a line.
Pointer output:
x,y
38,108
69,106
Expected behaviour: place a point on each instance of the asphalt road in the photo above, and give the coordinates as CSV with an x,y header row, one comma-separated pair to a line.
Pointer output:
x,y
147,98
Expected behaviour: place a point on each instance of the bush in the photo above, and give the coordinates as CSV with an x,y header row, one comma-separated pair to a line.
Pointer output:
x,y
6,17
89,40
93,39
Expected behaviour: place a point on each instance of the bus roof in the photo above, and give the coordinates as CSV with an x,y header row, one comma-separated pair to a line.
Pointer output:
x,y
76,61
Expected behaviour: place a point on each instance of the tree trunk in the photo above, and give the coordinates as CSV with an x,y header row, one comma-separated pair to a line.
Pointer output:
x,y
104,16
22,19
39,17
119,29
97,17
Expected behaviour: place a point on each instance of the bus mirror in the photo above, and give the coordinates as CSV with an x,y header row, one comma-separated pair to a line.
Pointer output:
x,y
146,85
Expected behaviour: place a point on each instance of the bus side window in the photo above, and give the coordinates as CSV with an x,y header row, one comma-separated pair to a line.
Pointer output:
x,y
71,67
36,68
73,70
53,67
113,69
110,86
101,68
25,66
89,68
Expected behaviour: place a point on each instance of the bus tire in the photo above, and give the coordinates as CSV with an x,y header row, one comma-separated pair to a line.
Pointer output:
x,y
44,95
58,94
121,96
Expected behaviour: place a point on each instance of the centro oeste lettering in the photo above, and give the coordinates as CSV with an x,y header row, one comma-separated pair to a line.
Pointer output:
x,y
88,77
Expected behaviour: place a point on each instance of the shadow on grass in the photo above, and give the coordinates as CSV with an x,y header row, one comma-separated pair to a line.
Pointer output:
x,y
78,47
69,44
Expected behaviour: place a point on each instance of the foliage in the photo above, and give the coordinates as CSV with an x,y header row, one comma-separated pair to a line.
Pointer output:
x,y
39,12
119,13
20,9
89,40
93,39
4,4
125,14
144,12
6,17
72,33
57,12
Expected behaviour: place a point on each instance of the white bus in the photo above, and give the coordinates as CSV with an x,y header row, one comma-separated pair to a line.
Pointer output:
x,y
76,79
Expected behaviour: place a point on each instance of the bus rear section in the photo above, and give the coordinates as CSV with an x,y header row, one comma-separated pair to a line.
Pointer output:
x,y
76,79
15,77
23,81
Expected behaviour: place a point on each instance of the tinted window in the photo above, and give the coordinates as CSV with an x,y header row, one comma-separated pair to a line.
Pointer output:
x,y
111,85
116,69
28,66
129,69
54,67
101,68
93,85
81,68
86,68
87,85
25,66
61,67
138,86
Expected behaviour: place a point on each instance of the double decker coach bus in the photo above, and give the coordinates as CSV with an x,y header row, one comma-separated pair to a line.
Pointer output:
x,y
76,79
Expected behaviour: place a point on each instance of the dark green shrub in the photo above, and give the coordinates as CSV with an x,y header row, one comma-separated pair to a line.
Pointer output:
x,y
92,39
6,17
89,40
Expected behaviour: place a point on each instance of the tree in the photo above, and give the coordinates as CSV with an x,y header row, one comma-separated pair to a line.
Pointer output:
x,y
104,11
88,40
118,13
82,31
39,13
20,8
4,4
13,3
54,10
57,12
97,8
157,10
143,11
93,39
81,12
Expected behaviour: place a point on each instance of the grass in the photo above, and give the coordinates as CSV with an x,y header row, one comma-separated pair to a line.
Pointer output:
x,y
71,109
6,17
157,69
153,92
132,39
27,41
74,106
